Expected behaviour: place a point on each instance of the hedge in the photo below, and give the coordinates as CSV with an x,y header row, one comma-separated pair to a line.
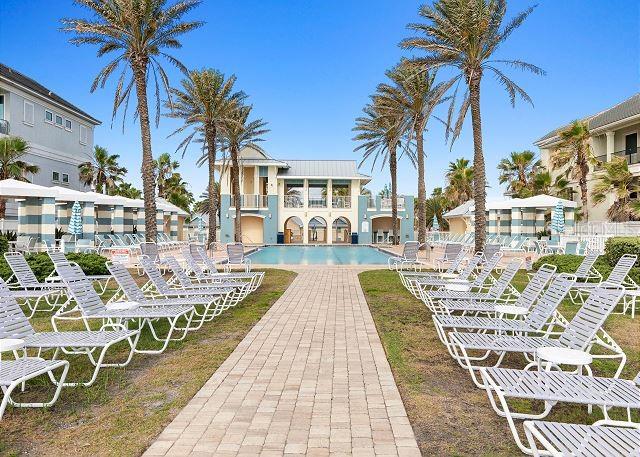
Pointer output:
x,y
568,263
40,263
618,246
4,244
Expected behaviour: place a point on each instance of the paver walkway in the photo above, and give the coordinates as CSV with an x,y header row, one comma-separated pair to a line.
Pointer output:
x,y
310,378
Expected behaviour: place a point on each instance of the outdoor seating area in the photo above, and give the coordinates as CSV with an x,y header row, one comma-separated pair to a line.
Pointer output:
x,y
147,319
483,320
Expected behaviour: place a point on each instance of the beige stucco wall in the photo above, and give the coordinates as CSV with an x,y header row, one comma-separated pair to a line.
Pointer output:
x,y
457,225
252,229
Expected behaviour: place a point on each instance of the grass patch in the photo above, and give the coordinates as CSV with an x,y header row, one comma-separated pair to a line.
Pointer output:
x,y
449,415
128,407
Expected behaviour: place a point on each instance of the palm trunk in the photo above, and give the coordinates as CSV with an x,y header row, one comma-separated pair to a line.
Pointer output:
x,y
479,191
582,182
393,168
422,193
148,177
210,137
3,208
235,184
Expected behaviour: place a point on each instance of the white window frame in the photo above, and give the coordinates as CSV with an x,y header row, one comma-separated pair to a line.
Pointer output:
x,y
62,176
45,116
70,128
53,173
86,134
55,122
24,113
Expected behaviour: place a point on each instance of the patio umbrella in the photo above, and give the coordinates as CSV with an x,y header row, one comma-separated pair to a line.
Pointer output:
x,y
557,218
75,222
434,225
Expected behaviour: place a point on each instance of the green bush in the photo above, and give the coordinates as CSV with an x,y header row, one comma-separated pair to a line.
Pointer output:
x,y
40,263
567,263
618,246
4,244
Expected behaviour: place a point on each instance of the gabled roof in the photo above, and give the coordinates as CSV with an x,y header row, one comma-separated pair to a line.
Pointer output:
x,y
336,169
623,110
30,84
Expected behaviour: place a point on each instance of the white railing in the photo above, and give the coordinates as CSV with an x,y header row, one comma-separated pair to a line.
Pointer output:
x,y
385,203
341,202
594,242
293,201
317,203
371,203
251,201
608,228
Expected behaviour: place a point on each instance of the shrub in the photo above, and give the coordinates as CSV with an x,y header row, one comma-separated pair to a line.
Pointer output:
x,y
40,263
568,263
618,246
4,244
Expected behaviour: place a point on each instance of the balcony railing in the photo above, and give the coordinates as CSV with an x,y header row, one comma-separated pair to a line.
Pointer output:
x,y
371,203
293,201
317,203
631,155
385,203
5,127
251,201
341,202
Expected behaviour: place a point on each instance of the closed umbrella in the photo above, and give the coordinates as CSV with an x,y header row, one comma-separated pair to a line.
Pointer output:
x,y
434,225
75,222
557,218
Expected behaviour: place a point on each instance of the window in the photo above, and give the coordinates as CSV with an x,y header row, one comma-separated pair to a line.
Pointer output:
x,y
67,125
59,120
48,116
28,113
1,106
55,176
65,178
83,134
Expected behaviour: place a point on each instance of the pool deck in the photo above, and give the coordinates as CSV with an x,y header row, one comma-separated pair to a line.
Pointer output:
x,y
310,378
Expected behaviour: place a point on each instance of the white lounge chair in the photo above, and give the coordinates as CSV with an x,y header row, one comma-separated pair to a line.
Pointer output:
x,y
408,258
236,257
451,250
619,276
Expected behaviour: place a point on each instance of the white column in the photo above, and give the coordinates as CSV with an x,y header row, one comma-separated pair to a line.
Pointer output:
x,y
610,145
329,193
256,180
305,191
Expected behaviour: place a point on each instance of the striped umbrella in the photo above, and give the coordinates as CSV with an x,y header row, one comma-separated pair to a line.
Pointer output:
x,y
557,218
75,222
434,225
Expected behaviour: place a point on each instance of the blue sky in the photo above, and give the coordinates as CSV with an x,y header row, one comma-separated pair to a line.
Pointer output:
x,y
309,66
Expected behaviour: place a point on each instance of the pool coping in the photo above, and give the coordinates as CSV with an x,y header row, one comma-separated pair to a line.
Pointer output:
x,y
369,266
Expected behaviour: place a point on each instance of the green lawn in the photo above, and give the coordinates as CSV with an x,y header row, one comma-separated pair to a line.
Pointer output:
x,y
449,415
128,407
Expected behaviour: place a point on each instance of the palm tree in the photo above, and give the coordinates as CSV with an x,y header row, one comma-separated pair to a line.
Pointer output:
x,y
125,189
574,152
436,205
177,192
238,134
381,130
460,179
102,172
139,32
202,206
12,150
616,179
415,90
165,168
518,172
464,35
205,102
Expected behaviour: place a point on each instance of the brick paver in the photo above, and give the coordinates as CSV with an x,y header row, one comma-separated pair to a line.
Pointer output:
x,y
310,378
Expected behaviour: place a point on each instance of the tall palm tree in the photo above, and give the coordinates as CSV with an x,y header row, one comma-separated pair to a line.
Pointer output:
x,y
574,152
618,181
237,134
177,192
12,150
102,172
518,171
138,32
381,130
165,168
464,35
415,90
205,102
460,180
436,205
125,189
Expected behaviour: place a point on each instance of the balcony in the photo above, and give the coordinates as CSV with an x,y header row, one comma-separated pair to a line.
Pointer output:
x,y
317,203
5,127
385,203
341,202
251,201
631,155
293,201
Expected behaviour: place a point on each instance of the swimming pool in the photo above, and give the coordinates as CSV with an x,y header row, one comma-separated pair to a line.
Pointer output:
x,y
318,255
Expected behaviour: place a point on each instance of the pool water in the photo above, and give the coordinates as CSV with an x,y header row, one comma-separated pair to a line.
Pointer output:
x,y
318,255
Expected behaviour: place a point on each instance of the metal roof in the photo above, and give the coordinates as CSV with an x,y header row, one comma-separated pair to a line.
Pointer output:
x,y
623,110
346,169
20,79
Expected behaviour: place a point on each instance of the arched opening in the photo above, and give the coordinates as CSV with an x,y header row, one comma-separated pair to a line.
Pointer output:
x,y
341,231
317,230
382,229
252,229
293,230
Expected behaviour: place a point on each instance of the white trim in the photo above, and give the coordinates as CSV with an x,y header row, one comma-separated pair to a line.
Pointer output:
x,y
55,120
383,215
68,129
261,216
52,176
45,116
86,134
24,113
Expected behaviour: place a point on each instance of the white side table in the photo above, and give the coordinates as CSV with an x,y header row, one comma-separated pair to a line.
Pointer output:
x,y
448,275
512,310
629,301
122,305
551,356
458,287
10,345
